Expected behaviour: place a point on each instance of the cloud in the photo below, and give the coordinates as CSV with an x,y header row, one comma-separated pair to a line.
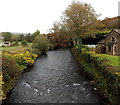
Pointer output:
x,y
30,15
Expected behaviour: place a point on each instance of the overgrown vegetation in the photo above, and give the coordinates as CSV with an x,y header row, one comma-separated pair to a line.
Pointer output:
x,y
98,36
99,69
40,44
18,57
13,63
113,59
79,24
10,70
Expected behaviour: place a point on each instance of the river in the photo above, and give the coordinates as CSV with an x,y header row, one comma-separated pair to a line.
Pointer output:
x,y
54,78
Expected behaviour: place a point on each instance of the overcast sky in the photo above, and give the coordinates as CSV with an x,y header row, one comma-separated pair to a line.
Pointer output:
x,y
26,16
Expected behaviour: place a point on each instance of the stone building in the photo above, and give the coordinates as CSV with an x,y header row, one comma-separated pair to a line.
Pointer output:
x,y
111,44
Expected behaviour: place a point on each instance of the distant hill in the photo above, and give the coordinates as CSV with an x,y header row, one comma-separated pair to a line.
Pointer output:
x,y
16,33
112,23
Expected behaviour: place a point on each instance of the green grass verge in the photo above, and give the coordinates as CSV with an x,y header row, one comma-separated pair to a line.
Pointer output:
x,y
101,70
113,59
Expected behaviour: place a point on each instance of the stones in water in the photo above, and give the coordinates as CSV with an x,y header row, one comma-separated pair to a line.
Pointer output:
x,y
76,84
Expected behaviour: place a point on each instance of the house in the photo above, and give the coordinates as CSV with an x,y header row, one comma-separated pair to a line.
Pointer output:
x,y
110,44
4,43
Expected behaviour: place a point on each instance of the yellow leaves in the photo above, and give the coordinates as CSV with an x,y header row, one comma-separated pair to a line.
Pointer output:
x,y
1,91
35,55
2,95
22,57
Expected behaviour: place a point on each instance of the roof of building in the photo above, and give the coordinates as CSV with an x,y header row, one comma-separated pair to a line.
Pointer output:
x,y
117,30
103,41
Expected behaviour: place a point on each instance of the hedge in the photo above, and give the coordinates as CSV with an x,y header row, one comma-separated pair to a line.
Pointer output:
x,y
99,69
13,63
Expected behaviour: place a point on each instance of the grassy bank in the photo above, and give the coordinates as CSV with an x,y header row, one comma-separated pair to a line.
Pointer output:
x,y
14,60
100,69
113,59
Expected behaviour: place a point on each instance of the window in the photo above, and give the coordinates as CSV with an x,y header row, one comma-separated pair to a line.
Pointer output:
x,y
115,48
113,38
6,42
109,48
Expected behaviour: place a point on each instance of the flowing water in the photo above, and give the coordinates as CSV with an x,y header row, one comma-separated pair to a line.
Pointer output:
x,y
54,78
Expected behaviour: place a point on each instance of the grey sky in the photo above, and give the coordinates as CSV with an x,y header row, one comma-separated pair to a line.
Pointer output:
x,y
29,15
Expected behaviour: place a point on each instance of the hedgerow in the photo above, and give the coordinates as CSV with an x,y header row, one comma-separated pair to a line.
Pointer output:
x,y
106,76
13,63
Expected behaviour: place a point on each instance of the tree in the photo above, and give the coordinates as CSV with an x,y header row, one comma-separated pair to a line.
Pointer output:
x,y
40,44
15,37
112,23
21,37
7,36
59,37
36,33
24,43
78,19
29,37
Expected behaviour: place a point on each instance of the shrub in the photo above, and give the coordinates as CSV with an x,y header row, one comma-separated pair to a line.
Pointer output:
x,y
13,62
16,43
23,58
99,69
40,44
10,70
24,43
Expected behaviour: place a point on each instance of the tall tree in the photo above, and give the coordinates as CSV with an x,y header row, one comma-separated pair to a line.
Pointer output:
x,y
78,19
112,23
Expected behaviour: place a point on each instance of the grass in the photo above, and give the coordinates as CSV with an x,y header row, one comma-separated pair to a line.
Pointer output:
x,y
9,48
113,59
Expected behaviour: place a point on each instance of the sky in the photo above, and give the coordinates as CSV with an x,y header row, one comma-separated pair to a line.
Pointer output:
x,y
27,16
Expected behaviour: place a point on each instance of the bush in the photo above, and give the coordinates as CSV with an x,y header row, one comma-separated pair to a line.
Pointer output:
x,y
23,58
16,43
99,69
10,70
13,62
40,44
24,43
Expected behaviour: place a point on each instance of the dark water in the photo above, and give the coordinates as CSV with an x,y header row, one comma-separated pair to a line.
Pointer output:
x,y
55,78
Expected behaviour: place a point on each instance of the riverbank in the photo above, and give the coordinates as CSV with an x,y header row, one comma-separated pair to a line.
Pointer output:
x,y
14,62
106,81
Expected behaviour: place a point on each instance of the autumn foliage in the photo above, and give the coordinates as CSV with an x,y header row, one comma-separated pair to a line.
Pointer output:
x,y
13,63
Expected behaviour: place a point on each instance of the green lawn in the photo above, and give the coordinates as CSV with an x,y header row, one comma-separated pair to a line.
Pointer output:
x,y
113,59
14,47
9,47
